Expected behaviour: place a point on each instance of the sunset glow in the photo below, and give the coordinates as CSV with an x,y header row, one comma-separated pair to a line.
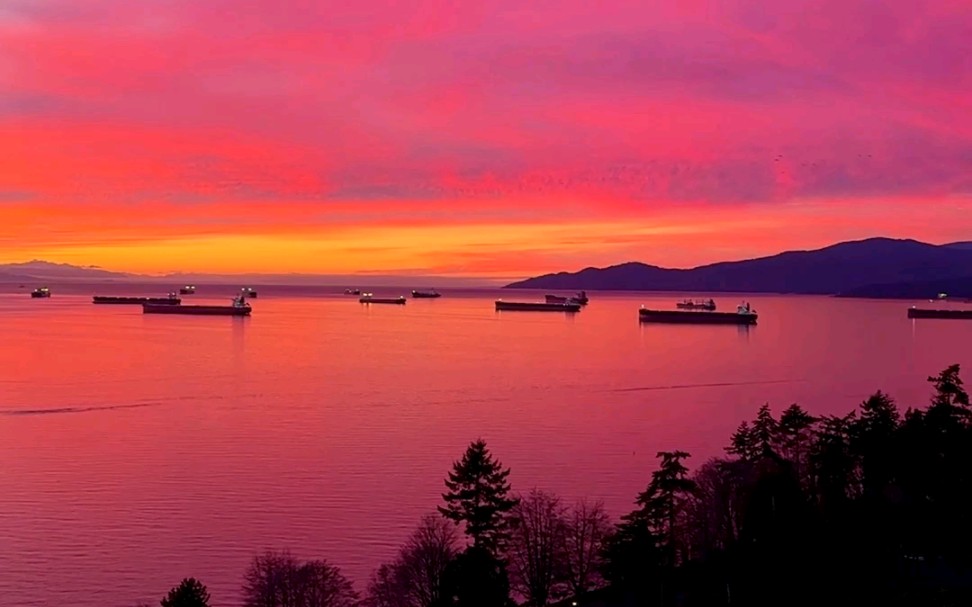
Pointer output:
x,y
496,140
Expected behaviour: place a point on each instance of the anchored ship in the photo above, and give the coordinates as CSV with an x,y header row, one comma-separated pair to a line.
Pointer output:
x,y
744,315
431,293
537,306
371,299
239,307
171,300
949,314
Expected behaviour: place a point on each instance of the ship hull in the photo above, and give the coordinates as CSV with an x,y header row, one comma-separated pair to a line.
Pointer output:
x,y
945,314
195,310
383,300
160,301
693,317
524,306
420,295
40,295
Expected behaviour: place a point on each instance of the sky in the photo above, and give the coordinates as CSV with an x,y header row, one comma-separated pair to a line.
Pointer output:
x,y
492,139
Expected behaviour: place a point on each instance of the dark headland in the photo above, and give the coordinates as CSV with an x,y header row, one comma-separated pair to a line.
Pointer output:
x,y
876,267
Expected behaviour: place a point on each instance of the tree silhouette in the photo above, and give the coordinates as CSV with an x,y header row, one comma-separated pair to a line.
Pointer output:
x,y
277,579
743,444
662,501
536,549
632,559
873,442
386,589
795,438
190,593
587,528
415,578
835,464
764,431
476,578
948,388
644,548
477,496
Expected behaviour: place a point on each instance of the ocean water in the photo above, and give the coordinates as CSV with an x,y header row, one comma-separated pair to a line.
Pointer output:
x,y
136,450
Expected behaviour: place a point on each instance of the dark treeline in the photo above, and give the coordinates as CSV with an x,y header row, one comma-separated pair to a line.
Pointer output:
x,y
873,507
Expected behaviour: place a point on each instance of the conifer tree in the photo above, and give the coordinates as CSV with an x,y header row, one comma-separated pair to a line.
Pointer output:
x,y
664,498
764,432
796,441
190,593
478,496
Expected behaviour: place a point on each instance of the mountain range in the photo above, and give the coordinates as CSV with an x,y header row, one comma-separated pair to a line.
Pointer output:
x,y
875,267
38,272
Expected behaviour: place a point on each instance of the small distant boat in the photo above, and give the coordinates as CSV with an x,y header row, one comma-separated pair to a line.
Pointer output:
x,y
956,314
40,292
579,298
744,315
187,290
371,299
171,300
248,292
537,306
352,291
426,294
239,307
691,304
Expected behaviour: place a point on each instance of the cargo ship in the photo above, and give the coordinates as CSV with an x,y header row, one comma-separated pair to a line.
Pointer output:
x,y
352,291
691,304
248,292
171,300
744,315
537,306
40,292
369,298
239,307
187,290
948,314
430,294
579,298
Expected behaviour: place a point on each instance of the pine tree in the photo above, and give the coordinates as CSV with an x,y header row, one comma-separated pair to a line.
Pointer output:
x,y
190,593
872,440
643,551
948,388
796,439
742,443
664,499
478,496
765,430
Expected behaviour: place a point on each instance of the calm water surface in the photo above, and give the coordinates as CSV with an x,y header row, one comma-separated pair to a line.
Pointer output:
x,y
136,450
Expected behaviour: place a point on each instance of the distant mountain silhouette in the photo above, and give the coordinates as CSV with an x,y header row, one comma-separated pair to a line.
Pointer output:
x,y
960,245
45,270
862,268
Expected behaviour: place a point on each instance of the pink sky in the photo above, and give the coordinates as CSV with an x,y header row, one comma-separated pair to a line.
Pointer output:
x,y
492,139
